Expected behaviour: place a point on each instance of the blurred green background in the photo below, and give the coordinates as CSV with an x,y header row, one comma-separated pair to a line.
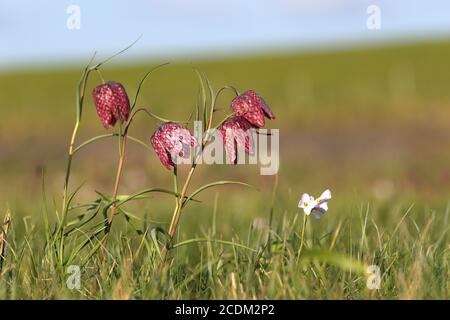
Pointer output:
x,y
370,124
363,111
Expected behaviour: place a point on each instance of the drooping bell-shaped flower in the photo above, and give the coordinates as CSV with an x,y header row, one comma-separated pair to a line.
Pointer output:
x,y
252,107
172,140
112,103
236,132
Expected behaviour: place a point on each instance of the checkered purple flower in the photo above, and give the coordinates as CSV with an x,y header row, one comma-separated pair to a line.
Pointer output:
x,y
252,107
112,103
170,141
236,132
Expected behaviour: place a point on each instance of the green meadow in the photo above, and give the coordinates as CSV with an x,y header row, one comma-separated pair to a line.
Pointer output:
x,y
371,124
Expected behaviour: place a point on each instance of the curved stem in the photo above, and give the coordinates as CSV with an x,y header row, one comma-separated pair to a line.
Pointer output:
x,y
92,140
152,115
117,53
231,88
88,142
213,104
100,75
138,141
142,82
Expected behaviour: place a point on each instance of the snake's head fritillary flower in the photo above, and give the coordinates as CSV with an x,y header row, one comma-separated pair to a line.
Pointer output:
x,y
252,107
235,132
112,103
319,205
170,141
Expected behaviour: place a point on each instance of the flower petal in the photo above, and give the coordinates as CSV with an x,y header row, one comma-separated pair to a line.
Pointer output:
x,y
267,111
309,207
161,152
175,140
111,102
325,196
252,107
304,200
322,207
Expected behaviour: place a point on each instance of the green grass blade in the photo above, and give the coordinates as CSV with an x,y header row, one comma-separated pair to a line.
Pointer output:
x,y
141,83
214,184
339,260
199,240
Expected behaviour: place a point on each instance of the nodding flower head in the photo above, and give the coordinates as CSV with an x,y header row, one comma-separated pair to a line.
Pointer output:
x,y
252,107
235,132
170,141
112,103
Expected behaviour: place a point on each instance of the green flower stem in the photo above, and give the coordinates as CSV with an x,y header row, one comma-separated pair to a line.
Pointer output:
x,y
305,219
180,201
79,107
175,190
80,94
122,148
176,217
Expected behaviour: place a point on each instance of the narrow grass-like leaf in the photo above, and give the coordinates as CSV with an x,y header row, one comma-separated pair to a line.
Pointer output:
x,y
152,115
199,240
83,244
109,135
207,96
45,209
213,184
4,227
138,195
94,208
154,236
141,83
94,249
138,141
72,195
333,258
116,54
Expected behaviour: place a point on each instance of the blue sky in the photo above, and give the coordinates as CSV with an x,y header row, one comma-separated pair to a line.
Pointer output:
x,y
35,32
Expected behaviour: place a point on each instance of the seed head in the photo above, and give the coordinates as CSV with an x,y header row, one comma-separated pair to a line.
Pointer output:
x,y
170,141
111,102
252,107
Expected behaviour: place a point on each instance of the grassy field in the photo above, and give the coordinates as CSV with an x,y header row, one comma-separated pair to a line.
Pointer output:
x,y
370,124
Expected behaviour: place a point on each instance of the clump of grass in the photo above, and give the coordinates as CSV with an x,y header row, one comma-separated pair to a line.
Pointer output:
x,y
259,261
3,235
